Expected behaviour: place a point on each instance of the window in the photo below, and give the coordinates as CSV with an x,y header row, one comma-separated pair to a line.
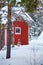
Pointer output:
x,y
17,30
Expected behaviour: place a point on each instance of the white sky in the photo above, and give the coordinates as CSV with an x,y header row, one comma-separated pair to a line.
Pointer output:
x,y
18,0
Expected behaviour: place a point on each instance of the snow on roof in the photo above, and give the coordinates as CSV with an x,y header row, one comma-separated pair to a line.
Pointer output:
x,y
18,11
24,15
21,12
29,17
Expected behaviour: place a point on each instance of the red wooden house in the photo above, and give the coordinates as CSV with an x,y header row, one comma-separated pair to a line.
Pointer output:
x,y
20,32
21,28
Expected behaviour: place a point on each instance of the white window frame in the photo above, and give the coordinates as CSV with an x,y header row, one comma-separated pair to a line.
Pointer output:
x,y
17,28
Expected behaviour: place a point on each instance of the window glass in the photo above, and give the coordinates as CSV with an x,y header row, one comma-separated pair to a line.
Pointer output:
x,y
17,30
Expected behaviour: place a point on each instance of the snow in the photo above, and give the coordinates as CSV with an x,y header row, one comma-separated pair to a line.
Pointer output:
x,y
18,10
38,41
0,12
24,15
18,56
29,18
5,8
31,54
4,20
23,55
41,36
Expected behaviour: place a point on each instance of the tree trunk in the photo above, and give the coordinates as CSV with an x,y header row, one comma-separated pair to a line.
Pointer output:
x,y
9,33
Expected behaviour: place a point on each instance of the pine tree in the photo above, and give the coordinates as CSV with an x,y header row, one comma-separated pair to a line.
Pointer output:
x,y
30,5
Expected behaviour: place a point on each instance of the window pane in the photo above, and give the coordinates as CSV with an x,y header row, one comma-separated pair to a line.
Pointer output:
x,y
17,30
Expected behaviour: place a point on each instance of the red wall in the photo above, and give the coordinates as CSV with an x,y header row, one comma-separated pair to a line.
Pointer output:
x,y
24,33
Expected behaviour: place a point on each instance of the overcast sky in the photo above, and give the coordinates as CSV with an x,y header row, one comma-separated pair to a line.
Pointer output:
x,y
18,0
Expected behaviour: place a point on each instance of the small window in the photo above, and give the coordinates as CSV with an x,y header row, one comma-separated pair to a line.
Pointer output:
x,y
17,30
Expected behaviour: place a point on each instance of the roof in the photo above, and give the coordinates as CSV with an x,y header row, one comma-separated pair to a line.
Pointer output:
x,y
21,12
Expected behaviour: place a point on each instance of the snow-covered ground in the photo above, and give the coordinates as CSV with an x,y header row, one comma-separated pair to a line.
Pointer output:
x,y
31,54
23,55
38,41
